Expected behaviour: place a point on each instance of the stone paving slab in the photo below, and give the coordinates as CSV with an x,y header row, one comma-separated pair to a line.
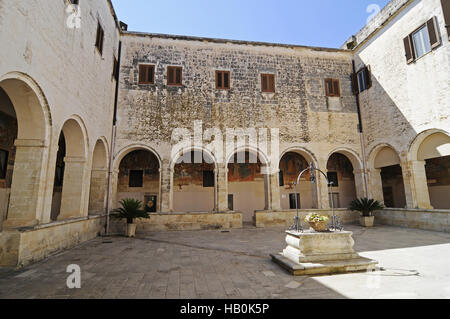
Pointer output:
x,y
237,264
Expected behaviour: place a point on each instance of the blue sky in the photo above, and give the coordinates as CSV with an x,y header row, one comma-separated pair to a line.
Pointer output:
x,y
324,23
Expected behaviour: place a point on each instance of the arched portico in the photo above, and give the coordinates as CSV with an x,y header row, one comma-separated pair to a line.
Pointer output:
x,y
386,177
429,168
25,157
99,178
137,174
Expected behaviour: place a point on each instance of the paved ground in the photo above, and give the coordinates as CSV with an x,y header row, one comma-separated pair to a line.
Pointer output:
x,y
235,264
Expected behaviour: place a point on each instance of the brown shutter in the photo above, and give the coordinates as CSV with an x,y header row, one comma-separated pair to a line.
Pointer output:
x,y
327,87
409,50
264,82
336,88
272,83
368,76
355,86
446,10
433,31
170,77
178,75
141,73
226,80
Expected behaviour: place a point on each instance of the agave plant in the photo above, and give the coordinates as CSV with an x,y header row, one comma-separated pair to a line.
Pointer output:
x,y
129,210
365,206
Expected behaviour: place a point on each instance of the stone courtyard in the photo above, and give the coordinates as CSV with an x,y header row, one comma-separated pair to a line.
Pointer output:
x,y
234,264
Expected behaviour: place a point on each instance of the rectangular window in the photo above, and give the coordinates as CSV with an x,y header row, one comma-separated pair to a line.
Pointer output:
x,y
421,41
100,38
222,80
281,178
292,203
332,87
146,74
3,163
333,178
425,39
446,10
174,75
268,83
75,2
208,179
362,80
231,202
136,178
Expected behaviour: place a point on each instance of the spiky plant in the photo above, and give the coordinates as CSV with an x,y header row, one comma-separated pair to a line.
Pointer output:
x,y
130,209
365,206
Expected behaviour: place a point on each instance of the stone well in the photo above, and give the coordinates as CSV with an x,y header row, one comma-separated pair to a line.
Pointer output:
x,y
314,253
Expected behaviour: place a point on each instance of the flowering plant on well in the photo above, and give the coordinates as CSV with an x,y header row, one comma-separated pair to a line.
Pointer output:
x,y
316,218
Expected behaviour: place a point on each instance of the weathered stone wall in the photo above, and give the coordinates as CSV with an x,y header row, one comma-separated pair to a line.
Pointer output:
x,y
74,78
437,220
405,100
183,221
299,108
265,219
22,247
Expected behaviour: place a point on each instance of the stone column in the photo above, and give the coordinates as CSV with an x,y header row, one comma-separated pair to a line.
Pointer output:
x,y
275,191
28,184
376,185
99,187
114,189
267,186
166,188
222,188
72,191
416,185
323,196
359,183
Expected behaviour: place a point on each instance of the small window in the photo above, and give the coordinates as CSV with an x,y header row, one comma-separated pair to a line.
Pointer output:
x,y
363,80
231,202
136,178
268,83
100,38
332,87
208,179
222,80
333,178
75,2
421,41
292,203
146,74
425,39
3,163
174,75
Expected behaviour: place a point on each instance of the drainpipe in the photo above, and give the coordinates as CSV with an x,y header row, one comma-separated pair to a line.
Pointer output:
x,y
361,135
113,142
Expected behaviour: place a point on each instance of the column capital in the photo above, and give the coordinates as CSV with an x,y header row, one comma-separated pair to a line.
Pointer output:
x,y
29,143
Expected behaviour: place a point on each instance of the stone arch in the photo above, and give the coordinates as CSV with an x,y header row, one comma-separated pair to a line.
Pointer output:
x,y
248,189
429,159
194,180
73,187
29,160
99,178
307,191
341,172
145,184
386,182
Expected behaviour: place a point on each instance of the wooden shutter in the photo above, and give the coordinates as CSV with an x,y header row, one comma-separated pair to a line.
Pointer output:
x,y
272,83
226,80
446,10
409,49
433,31
170,76
264,82
178,76
368,77
336,88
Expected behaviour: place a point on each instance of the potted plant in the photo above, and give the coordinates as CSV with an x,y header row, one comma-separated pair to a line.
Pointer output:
x,y
317,222
366,207
130,210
